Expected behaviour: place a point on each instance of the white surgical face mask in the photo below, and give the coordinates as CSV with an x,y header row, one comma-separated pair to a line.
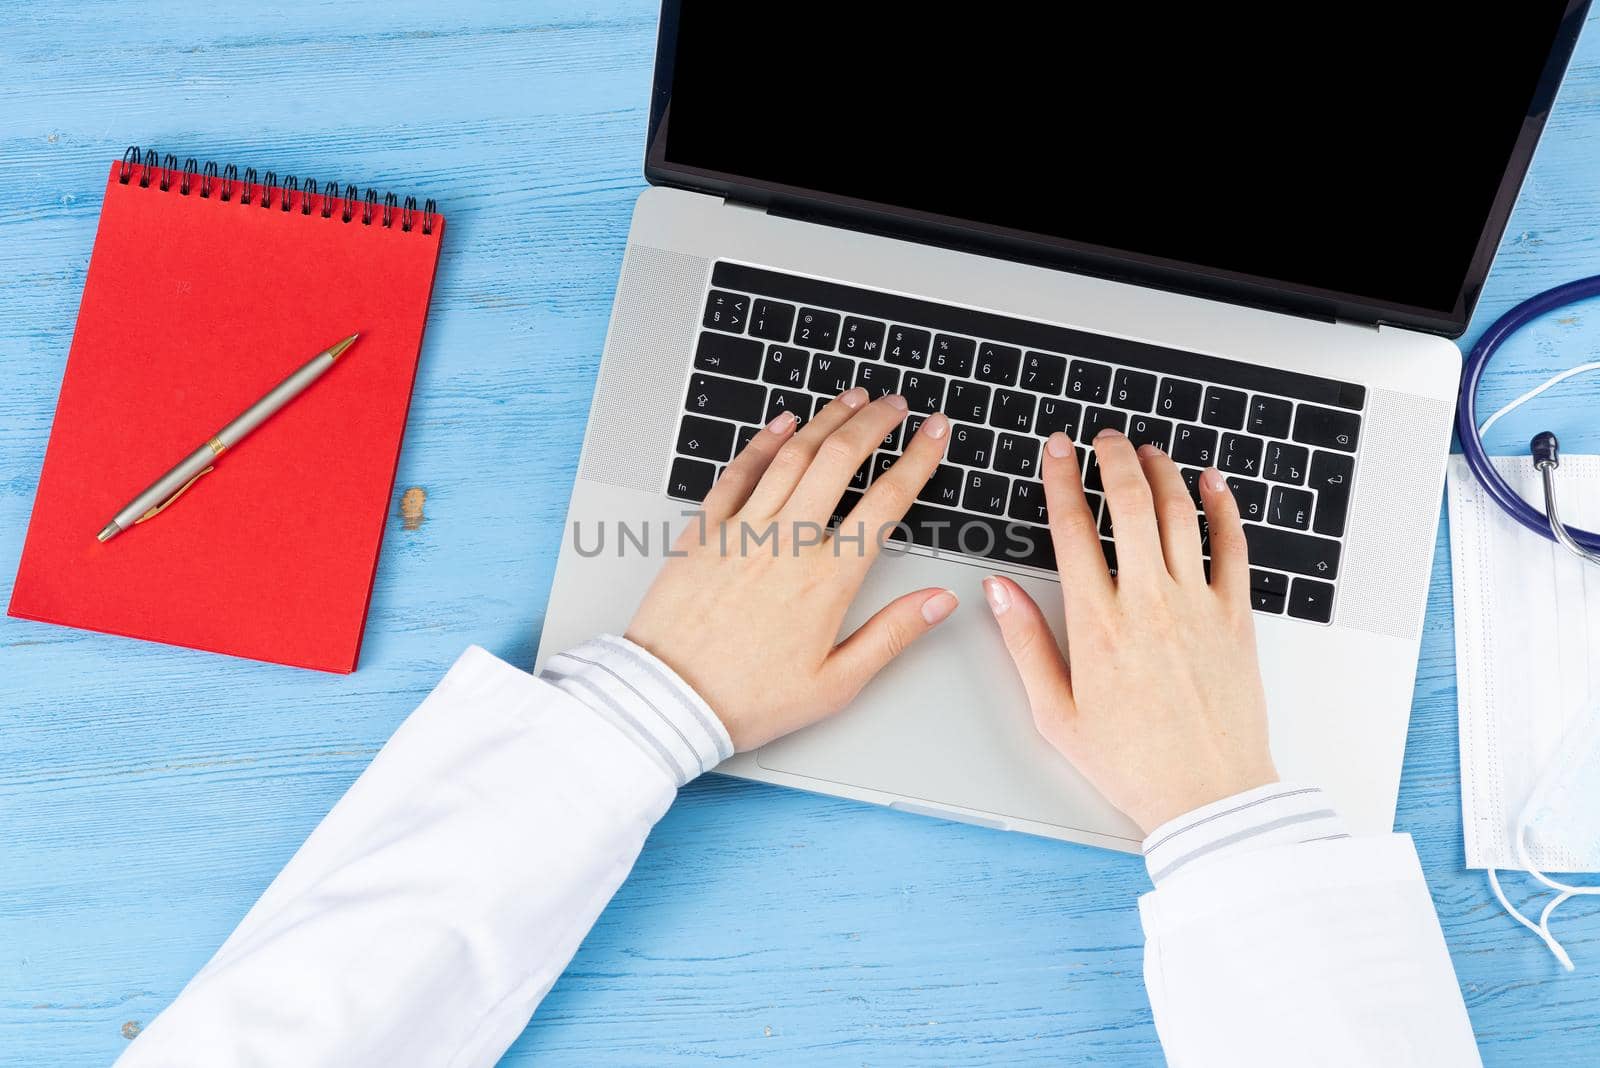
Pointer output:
x,y
1528,678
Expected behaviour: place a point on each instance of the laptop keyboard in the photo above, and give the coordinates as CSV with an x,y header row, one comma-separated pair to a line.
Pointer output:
x,y
772,342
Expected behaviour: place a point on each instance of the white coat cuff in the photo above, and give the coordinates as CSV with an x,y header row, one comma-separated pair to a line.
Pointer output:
x,y
1273,815
646,701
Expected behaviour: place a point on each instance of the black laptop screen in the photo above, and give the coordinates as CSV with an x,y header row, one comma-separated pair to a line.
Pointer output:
x,y
1319,147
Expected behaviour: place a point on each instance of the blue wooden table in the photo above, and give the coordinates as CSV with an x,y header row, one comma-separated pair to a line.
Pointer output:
x,y
148,794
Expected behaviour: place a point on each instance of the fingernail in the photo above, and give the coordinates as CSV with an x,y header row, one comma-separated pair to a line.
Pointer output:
x,y
780,422
894,400
1212,480
1059,445
1108,433
854,397
937,609
935,426
999,596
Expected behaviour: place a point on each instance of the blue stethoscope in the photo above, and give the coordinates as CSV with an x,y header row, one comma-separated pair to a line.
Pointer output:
x,y
1544,447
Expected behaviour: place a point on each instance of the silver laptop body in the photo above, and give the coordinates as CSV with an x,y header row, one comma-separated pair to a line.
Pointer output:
x,y
946,730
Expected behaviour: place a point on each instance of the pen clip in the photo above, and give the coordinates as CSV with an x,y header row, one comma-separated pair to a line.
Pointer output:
x,y
164,505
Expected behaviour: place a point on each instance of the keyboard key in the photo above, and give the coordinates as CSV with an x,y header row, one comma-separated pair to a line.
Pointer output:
x,y
953,355
831,375
1286,550
1178,399
690,480
877,380
787,400
785,366
998,364
1290,508
745,434
1027,502
1250,496
1012,410
862,476
880,463
1097,419
738,356
923,392
1094,501
1268,591
891,440
817,329
1195,445
862,337
986,492
1054,415
1285,463
1191,482
1223,407
1088,381
817,404
705,438
1205,538
1331,473
1109,548
727,311
1091,471
1044,373
1269,417
846,505
977,535
968,401
1312,600
1105,524
971,445
907,347
1134,390
725,398
1327,428
944,487
772,320
1017,455
1147,430
1240,454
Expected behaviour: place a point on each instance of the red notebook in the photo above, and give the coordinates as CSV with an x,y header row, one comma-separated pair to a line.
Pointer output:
x,y
205,289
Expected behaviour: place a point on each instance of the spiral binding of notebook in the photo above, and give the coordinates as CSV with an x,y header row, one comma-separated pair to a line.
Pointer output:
x,y
287,194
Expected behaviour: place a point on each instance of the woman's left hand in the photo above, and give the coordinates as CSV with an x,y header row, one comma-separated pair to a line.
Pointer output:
x,y
749,614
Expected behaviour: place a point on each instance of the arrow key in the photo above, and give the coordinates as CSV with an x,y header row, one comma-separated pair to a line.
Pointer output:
x,y
1311,600
1331,474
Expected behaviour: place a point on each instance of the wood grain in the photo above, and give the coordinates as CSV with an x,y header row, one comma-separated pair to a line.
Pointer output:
x,y
147,794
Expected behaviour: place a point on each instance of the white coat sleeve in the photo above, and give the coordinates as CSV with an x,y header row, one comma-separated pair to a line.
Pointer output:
x,y
1274,937
436,904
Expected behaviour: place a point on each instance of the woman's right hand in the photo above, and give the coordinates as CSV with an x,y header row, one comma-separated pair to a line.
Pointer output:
x,y
1162,707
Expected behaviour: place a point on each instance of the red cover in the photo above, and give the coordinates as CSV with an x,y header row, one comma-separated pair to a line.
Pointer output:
x,y
195,307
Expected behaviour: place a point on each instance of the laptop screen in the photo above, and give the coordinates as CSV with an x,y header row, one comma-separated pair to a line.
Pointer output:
x,y
1367,152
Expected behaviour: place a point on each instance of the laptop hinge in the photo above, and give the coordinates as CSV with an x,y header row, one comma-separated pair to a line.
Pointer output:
x,y
744,205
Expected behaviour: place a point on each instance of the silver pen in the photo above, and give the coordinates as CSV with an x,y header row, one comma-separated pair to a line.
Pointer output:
x,y
170,486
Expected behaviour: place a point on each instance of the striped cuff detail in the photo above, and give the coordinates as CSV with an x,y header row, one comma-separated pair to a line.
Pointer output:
x,y
1273,815
645,700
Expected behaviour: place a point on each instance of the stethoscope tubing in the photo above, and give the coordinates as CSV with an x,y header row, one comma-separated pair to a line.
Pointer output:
x,y
1467,408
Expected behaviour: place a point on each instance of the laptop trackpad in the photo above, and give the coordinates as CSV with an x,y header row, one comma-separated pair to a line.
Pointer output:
x,y
948,722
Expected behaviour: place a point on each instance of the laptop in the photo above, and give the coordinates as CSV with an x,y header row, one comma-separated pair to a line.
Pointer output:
x,y
1248,238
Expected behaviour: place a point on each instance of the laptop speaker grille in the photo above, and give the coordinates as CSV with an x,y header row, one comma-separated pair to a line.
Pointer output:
x,y
652,334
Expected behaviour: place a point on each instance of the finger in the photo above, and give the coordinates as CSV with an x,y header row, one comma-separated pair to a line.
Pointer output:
x,y
837,459
1230,556
1079,558
786,468
1175,515
885,636
1133,514
1034,651
894,491
746,469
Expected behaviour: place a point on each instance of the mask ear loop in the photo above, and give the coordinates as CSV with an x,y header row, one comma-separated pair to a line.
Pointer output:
x,y
1565,891
1549,383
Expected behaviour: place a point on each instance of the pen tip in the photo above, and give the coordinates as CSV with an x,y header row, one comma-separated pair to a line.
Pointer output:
x,y
110,531
338,350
